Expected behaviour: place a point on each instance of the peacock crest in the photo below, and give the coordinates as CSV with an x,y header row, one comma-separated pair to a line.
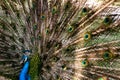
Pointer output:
x,y
66,39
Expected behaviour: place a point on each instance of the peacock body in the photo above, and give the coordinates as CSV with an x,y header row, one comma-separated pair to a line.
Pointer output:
x,y
66,39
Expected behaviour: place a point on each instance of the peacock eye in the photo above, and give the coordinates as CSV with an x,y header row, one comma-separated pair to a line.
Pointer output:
x,y
68,5
84,63
39,37
54,10
35,27
55,59
107,20
84,10
42,17
69,49
58,45
70,29
87,36
47,31
107,55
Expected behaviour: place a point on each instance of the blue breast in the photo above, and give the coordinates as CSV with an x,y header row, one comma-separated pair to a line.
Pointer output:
x,y
24,72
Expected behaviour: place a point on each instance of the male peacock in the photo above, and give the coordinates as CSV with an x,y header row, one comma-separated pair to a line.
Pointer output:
x,y
62,39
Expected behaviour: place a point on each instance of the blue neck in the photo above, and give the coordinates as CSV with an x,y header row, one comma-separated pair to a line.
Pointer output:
x,y
24,72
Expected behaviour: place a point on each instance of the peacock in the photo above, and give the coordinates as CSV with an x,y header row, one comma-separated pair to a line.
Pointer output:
x,y
60,39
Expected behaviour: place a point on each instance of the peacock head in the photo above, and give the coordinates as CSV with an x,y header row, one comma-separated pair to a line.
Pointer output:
x,y
25,56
